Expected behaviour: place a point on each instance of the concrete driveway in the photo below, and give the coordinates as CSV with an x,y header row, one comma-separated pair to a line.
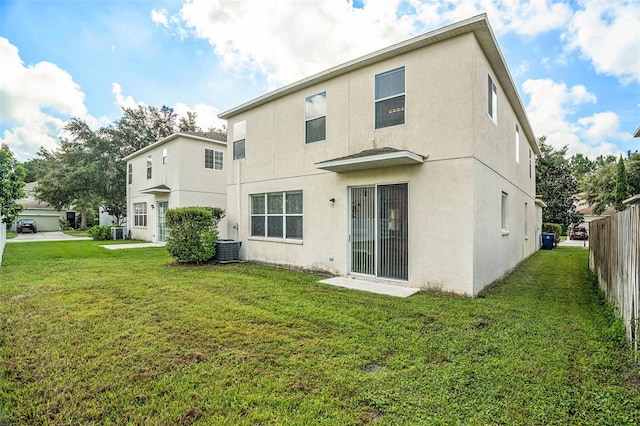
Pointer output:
x,y
574,243
25,237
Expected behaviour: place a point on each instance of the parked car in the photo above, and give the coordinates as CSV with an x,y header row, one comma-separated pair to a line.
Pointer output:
x,y
578,233
29,224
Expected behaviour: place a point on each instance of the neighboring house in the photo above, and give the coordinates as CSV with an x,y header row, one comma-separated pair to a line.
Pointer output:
x,y
181,170
414,164
45,215
589,216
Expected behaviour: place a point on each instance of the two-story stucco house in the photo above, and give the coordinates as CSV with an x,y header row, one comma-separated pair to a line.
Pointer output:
x,y
181,170
414,164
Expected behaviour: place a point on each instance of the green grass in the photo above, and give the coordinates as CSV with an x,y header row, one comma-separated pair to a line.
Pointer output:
x,y
11,235
77,232
91,336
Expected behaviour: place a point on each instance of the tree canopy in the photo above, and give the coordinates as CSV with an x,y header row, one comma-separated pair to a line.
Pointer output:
x,y
556,185
612,181
11,184
88,168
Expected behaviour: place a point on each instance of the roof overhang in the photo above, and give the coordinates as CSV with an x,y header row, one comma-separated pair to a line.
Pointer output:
x,y
194,136
373,161
541,203
636,134
160,189
632,200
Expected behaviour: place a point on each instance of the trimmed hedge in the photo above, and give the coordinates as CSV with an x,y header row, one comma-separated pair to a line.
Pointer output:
x,y
193,233
554,228
100,232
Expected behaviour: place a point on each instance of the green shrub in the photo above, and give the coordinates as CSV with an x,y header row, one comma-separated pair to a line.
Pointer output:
x,y
554,228
193,233
100,232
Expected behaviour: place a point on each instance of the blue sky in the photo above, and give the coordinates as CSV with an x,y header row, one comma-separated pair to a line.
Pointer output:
x,y
576,64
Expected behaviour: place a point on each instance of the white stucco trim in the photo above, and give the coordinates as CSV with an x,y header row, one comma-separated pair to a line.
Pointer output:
x,y
399,158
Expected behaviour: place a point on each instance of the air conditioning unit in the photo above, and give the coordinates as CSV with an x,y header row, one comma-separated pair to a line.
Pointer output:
x,y
118,233
227,251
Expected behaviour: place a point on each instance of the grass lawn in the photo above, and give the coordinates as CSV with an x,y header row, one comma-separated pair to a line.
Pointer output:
x,y
91,336
77,232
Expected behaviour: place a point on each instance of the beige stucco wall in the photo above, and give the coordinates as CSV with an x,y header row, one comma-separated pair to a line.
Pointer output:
x,y
184,173
456,242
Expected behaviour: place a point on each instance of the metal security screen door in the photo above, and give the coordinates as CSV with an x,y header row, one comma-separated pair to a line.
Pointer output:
x,y
162,226
379,231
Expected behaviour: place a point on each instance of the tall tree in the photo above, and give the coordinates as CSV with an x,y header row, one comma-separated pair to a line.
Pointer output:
x,y
581,165
600,186
556,185
73,174
11,184
622,187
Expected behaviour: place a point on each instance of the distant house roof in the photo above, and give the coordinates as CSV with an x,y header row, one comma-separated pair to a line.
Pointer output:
x,y
636,134
632,200
371,158
588,211
203,136
477,25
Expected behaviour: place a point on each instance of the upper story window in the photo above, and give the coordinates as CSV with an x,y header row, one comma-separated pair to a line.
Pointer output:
x,y
492,107
390,94
239,136
130,173
315,117
517,144
149,166
164,156
277,215
213,159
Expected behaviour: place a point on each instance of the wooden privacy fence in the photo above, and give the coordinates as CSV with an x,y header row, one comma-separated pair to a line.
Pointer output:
x,y
614,255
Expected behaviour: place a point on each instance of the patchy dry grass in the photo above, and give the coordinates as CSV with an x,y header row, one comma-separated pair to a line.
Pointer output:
x,y
91,336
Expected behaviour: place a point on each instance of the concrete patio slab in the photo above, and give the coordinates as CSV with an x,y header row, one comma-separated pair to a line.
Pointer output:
x,y
371,287
25,237
131,246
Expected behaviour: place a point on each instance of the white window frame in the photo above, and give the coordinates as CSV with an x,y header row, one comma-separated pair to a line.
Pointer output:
x,y
311,114
504,213
239,139
140,215
517,144
149,166
284,214
492,102
378,100
213,159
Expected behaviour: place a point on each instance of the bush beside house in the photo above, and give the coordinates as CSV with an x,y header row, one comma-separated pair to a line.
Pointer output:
x,y
193,233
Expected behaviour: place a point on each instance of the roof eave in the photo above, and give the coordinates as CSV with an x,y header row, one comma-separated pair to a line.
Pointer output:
x,y
168,139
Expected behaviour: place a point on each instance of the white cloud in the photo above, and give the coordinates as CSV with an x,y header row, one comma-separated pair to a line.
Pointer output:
x,y
521,17
36,101
608,34
207,115
552,108
291,40
160,17
123,101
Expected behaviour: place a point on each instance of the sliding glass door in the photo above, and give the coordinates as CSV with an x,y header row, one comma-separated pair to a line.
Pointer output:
x,y
379,231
